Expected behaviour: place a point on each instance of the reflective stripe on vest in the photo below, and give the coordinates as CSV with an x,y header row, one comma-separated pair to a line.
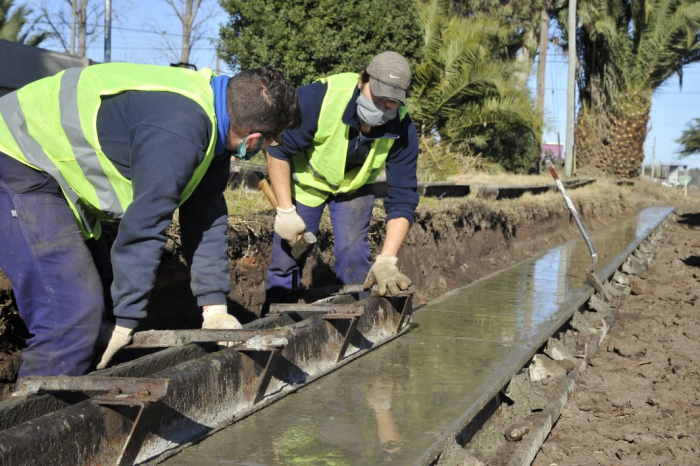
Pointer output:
x,y
11,113
51,125
320,170
107,199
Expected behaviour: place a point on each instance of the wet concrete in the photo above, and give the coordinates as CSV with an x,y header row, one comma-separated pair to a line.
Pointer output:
x,y
402,402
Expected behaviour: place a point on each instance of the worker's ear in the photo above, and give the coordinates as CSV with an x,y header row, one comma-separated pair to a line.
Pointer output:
x,y
253,141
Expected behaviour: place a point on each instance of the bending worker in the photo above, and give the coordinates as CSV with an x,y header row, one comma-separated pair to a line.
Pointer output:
x,y
353,126
129,142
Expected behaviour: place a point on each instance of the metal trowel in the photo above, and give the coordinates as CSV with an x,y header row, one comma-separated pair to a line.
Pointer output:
x,y
590,275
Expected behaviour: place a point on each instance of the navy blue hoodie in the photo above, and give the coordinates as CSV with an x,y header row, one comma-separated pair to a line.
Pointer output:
x,y
401,163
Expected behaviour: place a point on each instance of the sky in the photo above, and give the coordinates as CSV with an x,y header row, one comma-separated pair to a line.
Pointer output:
x,y
140,29
672,109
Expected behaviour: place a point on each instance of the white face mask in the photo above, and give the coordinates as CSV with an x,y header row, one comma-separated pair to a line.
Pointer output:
x,y
371,114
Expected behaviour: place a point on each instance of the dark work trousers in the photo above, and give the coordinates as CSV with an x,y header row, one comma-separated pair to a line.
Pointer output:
x,y
350,217
54,277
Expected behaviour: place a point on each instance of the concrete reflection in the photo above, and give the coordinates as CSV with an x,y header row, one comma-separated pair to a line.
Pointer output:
x,y
394,404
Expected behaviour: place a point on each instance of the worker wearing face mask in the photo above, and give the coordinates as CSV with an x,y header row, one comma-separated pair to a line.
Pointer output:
x,y
129,142
353,127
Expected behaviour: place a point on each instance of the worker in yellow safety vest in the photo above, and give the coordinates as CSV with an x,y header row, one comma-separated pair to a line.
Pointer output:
x,y
353,127
131,143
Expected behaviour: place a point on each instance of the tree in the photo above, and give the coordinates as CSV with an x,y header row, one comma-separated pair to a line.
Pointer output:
x,y
690,139
626,50
187,12
522,17
74,19
469,91
13,25
307,39
529,31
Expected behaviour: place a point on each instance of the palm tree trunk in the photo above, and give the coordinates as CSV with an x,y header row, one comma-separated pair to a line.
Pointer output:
x,y
610,143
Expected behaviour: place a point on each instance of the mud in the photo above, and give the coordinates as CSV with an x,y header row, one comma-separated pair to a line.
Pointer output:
x,y
450,245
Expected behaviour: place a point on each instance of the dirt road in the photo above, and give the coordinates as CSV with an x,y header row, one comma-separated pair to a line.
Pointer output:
x,y
639,402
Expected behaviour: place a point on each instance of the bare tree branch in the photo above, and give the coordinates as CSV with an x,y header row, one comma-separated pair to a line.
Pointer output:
x,y
89,22
192,18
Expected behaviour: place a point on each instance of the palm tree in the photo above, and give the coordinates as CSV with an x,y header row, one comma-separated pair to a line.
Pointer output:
x,y
11,24
690,139
466,89
626,50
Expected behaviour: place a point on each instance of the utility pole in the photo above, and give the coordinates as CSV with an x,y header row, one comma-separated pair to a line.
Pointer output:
x,y
653,157
72,28
569,160
108,31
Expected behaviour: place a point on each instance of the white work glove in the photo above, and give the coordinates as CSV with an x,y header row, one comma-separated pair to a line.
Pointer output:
x,y
216,317
386,276
289,225
114,337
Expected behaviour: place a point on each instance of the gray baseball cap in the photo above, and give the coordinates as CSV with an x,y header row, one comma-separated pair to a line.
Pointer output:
x,y
389,76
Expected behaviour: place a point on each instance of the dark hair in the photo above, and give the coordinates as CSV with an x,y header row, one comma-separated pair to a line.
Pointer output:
x,y
262,100
364,75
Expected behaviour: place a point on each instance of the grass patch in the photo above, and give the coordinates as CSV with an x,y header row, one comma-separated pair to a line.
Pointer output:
x,y
242,203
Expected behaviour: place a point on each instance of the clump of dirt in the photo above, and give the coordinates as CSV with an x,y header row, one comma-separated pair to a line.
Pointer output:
x,y
452,243
639,401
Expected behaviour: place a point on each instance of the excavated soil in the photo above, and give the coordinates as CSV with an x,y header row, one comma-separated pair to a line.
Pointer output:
x,y
639,402
451,244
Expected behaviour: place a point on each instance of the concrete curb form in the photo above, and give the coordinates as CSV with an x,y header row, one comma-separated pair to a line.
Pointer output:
x,y
206,392
540,424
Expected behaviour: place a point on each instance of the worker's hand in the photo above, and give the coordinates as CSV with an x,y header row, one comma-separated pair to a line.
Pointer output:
x,y
289,225
386,276
114,337
216,317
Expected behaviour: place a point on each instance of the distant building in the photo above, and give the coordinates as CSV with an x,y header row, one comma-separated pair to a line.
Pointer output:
x,y
552,150
673,172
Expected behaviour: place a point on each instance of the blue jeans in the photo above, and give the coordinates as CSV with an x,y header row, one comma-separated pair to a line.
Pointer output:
x,y
350,217
55,279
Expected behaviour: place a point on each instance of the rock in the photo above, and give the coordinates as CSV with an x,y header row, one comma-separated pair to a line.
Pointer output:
x,y
638,287
543,368
517,431
566,364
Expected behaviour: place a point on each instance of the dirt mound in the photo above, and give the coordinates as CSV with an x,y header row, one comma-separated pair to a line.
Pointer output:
x,y
639,401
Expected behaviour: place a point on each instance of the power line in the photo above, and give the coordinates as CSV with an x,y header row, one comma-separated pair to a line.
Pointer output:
x,y
145,31
160,33
160,49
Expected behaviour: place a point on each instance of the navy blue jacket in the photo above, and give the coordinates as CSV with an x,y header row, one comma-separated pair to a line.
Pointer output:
x,y
401,163
156,140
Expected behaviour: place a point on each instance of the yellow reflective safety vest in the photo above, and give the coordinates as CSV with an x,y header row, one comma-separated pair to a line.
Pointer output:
x,y
51,125
320,170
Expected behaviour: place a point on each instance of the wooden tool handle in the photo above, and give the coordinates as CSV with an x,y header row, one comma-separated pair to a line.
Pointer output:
x,y
269,193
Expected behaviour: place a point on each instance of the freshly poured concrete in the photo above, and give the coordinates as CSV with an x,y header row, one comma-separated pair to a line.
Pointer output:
x,y
400,401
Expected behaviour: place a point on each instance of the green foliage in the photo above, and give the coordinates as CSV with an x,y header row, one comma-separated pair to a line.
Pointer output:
x,y
437,162
308,39
522,17
690,139
12,24
628,48
516,151
468,92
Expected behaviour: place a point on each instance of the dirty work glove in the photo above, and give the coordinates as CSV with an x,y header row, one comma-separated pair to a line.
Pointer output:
x,y
289,225
387,276
114,337
216,317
